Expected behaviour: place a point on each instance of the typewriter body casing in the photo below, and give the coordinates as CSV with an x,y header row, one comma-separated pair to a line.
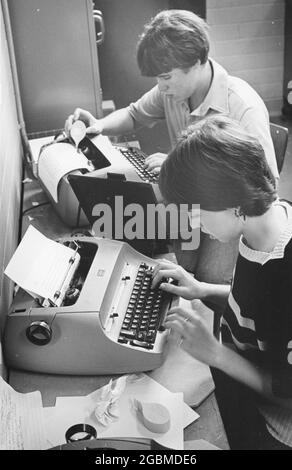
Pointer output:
x,y
83,336
115,443
114,163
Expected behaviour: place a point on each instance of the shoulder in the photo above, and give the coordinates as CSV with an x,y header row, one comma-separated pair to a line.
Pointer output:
x,y
288,253
243,98
151,100
153,95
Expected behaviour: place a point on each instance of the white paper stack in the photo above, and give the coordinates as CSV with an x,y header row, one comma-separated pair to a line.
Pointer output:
x,y
21,420
74,410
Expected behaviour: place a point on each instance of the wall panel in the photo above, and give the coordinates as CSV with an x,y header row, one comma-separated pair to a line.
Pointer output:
x,y
247,38
10,174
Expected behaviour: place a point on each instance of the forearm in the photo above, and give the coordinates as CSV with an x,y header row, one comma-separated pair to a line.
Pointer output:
x,y
118,122
244,371
217,293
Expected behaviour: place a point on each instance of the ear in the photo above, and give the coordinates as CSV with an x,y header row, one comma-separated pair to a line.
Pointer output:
x,y
239,214
197,64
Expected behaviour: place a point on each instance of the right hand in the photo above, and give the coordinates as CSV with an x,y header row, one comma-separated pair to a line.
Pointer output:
x,y
187,286
93,125
154,162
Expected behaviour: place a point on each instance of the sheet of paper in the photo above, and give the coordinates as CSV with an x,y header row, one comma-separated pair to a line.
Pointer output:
x,y
73,410
192,377
22,420
56,161
152,387
36,145
40,265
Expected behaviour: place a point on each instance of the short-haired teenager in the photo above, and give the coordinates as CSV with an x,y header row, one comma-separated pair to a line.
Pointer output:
x,y
222,168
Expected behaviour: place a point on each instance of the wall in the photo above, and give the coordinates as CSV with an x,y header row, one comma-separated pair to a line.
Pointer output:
x,y
10,174
248,40
287,88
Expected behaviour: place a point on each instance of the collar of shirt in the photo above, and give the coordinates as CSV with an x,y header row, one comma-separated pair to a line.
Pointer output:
x,y
217,96
262,257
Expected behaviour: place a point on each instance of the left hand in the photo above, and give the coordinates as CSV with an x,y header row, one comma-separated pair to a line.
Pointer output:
x,y
154,162
196,339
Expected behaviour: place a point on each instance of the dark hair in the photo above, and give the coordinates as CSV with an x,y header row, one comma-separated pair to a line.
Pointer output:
x,y
218,165
173,39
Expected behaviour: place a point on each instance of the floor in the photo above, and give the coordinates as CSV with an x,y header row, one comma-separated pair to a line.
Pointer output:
x,y
285,188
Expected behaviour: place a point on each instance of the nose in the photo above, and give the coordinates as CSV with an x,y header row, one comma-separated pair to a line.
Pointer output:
x,y
203,229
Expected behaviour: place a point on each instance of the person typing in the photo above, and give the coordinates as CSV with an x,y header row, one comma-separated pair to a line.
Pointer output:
x,y
222,168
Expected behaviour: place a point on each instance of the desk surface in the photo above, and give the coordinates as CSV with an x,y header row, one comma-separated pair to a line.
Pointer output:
x,y
177,372
208,427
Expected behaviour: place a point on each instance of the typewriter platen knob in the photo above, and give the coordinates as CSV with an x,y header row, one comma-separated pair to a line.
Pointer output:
x,y
72,295
39,333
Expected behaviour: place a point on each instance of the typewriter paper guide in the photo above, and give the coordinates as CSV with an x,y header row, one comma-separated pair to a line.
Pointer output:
x,y
60,159
57,164
39,265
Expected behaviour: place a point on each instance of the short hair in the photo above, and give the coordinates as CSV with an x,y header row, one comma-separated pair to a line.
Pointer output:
x,y
220,166
172,39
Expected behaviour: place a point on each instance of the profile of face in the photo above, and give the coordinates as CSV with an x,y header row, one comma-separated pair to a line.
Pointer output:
x,y
180,83
222,225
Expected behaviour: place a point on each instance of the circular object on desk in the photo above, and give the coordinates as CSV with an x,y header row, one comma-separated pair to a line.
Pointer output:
x,y
80,432
154,416
39,333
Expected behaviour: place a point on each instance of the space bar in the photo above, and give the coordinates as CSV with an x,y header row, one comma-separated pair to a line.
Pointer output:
x,y
141,344
163,312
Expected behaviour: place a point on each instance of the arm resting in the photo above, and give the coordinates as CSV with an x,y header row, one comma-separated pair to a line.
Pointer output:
x,y
244,371
118,122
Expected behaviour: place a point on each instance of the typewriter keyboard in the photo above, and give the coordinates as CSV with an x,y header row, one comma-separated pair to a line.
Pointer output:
x,y
137,158
145,312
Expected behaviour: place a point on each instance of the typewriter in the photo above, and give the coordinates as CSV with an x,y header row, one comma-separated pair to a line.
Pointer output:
x,y
96,157
106,319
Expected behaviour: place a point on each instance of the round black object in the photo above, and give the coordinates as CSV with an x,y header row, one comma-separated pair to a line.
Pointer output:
x,y
39,333
86,430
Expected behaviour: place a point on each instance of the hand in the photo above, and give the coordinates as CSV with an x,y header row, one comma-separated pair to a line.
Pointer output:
x,y
154,162
187,286
93,126
195,337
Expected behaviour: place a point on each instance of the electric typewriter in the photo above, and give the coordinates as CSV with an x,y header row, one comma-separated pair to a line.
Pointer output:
x,y
96,157
105,318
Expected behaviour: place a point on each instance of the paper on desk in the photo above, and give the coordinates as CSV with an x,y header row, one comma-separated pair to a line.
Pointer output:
x,y
56,161
73,410
107,403
39,265
22,420
147,385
